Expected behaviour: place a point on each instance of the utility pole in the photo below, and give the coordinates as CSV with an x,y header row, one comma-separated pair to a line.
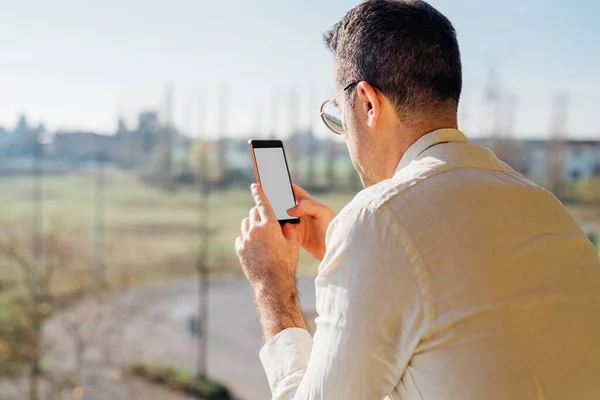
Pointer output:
x,y
274,115
186,132
293,111
38,261
511,110
164,141
501,114
204,245
492,99
312,111
37,216
168,149
258,120
556,145
222,141
294,133
99,195
506,146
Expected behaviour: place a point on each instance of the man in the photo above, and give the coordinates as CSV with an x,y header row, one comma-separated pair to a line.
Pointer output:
x,y
450,276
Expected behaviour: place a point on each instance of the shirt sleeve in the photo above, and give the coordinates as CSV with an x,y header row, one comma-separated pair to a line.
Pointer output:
x,y
370,316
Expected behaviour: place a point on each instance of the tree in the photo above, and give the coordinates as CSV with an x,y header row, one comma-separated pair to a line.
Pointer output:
x,y
29,311
57,319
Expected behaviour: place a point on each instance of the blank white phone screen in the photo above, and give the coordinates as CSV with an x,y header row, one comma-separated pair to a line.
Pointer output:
x,y
274,180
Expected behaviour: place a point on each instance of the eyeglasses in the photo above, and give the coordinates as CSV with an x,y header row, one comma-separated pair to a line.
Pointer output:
x,y
331,113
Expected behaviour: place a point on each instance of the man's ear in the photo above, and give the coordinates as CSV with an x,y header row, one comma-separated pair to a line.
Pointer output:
x,y
369,101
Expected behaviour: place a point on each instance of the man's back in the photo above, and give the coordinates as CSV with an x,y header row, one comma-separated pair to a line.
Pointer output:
x,y
451,276
510,285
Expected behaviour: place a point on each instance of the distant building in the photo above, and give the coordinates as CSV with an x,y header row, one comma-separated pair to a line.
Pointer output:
x,y
22,128
3,143
148,128
135,148
79,147
22,141
580,159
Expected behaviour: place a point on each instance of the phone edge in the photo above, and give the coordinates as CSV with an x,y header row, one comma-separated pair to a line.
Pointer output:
x,y
293,220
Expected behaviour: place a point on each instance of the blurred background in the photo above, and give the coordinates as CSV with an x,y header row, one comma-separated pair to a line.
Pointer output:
x,y
124,170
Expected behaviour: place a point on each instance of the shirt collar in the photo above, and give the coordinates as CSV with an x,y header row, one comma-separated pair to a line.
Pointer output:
x,y
428,140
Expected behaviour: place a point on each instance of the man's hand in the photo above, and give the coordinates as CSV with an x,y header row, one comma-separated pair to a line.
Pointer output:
x,y
314,217
268,254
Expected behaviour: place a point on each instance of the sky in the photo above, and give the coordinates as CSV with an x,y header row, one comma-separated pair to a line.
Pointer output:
x,y
80,65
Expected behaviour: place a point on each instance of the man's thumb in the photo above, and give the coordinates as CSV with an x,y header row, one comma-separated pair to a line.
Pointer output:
x,y
304,207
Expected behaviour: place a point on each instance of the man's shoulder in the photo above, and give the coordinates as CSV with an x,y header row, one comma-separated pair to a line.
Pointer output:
x,y
364,212
370,207
376,198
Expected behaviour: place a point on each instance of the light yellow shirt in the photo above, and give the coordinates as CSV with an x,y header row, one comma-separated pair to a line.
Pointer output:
x,y
455,279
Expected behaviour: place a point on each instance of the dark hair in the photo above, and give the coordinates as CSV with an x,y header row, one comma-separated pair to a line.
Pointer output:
x,y
404,48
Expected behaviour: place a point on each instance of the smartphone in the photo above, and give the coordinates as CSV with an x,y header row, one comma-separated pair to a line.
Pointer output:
x,y
273,175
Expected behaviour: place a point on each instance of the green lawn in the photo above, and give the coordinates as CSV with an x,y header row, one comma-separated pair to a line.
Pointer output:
x,y
150,234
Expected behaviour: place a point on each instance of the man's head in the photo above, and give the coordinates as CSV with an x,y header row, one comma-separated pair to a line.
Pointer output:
x,y
406,57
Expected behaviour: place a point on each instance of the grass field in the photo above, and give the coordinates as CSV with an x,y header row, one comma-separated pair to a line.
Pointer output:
x,y
150,234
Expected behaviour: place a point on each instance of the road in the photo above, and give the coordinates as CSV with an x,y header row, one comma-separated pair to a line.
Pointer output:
x,y
234,335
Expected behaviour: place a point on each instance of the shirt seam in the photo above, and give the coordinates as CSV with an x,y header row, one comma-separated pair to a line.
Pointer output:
x,y
419,269
392,194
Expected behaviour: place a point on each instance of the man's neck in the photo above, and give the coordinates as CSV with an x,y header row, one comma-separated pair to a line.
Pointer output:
x,y
409,132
